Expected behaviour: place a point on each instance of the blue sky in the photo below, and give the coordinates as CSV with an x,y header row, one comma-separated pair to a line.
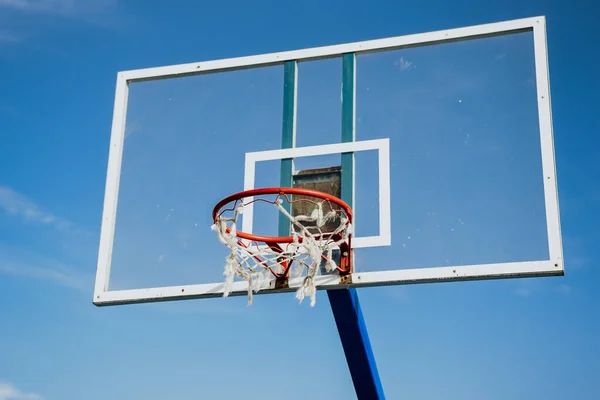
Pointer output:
x,y
529,339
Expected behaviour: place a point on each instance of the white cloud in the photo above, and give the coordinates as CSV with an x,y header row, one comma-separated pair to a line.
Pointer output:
x,y
13,13
62,277
7,37
62,7
24,263
577,262
38,5
400,293
218,306
565,289
19,205
10,392
131,128
523,292
404,65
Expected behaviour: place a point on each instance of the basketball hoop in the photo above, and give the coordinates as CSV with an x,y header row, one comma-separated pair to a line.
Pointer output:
x,y
257,258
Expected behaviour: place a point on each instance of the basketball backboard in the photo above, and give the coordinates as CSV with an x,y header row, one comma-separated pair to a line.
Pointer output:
x,y
443,139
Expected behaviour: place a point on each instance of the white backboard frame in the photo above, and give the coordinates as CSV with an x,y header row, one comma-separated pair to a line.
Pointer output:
x,y
553,266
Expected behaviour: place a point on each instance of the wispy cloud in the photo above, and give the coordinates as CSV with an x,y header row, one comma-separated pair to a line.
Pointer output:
x,y
219,306
11,392
5,108
26,264
523,292
8,37
404,65
529,287
544,287
18,205
576,251
565,289
61,7
63,276
577,261
35,5
131,128
22,20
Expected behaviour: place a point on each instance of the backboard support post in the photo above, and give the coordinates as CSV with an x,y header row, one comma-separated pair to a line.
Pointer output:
x,y
344,302
338,181
288,134
356,344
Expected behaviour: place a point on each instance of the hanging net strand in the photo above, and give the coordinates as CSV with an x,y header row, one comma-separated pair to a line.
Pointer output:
x,y
300,254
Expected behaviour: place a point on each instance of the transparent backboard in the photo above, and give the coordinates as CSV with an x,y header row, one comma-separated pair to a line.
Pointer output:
x,y
453,173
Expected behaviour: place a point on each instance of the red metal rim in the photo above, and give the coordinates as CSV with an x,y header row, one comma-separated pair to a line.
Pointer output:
x,y
279,191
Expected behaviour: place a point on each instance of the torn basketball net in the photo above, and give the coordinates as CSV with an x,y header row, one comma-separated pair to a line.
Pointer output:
x,y
259,259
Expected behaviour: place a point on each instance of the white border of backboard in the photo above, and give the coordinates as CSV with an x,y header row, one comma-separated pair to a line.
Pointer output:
x,y
551,267
383,151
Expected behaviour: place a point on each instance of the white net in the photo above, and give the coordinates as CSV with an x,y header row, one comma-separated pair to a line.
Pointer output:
x,y
310,249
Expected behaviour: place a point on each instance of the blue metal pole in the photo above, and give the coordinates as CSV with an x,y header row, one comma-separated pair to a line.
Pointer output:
x,y
356,344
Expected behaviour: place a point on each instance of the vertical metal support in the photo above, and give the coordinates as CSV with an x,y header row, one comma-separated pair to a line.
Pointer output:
x,y
348,125
288,136
344,302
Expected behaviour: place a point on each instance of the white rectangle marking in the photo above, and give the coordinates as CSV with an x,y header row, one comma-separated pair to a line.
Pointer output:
x,y
381,145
